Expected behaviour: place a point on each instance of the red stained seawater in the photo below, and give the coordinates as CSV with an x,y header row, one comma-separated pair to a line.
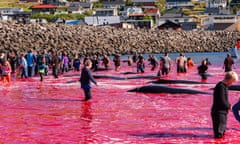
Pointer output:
x,y
52,111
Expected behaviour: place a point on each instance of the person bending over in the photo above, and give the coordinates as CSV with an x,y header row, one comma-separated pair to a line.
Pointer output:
x,y
221,105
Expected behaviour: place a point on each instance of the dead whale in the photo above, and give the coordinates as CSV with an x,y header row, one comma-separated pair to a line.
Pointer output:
x,y
235,110
166,81
126,73
234,87
125,78
165,89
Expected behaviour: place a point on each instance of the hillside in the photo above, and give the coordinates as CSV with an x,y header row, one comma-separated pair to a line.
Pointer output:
x,y
7,3
15,4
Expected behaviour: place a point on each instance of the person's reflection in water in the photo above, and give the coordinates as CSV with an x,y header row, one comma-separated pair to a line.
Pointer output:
x,y
86,120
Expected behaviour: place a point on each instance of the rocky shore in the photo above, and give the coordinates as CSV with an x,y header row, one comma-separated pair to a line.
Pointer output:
x,y
84,39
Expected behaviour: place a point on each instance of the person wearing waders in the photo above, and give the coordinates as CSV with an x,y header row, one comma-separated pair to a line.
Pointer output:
x,y
42,67
86,78
55,64
228,63
221,105
165,65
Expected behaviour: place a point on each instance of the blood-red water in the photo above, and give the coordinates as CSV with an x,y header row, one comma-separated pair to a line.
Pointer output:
x,y
52,111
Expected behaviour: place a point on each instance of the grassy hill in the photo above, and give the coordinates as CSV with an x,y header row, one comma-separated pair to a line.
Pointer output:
x,y
15,3
7,3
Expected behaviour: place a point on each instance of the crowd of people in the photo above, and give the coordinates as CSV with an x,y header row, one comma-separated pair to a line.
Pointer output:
x,y
26,65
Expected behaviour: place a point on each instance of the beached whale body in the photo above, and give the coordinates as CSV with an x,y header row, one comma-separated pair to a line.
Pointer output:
x,y
116,78
165,81
125,78
102,69
234,87
205,74
165,89
126,73
108,77
235,110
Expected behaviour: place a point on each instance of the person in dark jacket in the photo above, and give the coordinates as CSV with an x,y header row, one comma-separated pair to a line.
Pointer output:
x,y
202,69
221,105
86,78
228,63
95,62
117,62
76,63
55,64
153,62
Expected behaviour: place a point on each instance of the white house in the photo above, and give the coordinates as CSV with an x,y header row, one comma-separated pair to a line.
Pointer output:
x,y
216,3
105,12
102,20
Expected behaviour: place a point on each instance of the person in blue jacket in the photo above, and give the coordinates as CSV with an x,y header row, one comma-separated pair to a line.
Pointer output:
x,y
86,78
31,60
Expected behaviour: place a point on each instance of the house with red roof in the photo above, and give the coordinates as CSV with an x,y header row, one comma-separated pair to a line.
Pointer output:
x,y
154,13
44,8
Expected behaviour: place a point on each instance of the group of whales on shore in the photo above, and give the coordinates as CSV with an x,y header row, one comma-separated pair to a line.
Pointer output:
x,y
158,84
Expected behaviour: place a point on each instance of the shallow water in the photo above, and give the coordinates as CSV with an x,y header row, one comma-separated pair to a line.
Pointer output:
x,y
53,111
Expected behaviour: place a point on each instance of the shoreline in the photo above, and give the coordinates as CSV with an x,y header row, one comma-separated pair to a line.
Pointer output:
x,y
83,39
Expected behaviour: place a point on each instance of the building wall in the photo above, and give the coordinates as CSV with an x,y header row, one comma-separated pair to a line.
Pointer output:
x,y
216,3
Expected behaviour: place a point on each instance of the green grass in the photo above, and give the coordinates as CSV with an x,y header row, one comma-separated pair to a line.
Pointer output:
x,y
15,4
7,3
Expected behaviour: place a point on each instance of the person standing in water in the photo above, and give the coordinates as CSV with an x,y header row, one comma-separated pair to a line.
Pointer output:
x,y
117,62
228,63
202,69
140,65
41,67
23,66
6,71
153,62
86,78
190,63
221,105
181,62
165,65
106,61
95,62
55,64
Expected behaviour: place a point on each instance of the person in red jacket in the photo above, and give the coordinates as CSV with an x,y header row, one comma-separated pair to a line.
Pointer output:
x,y
6,71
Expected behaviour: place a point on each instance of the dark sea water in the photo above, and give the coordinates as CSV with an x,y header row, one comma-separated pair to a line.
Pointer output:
x,y
214,57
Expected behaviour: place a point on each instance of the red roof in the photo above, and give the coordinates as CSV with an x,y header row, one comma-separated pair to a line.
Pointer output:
x,y
44,6
152,10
